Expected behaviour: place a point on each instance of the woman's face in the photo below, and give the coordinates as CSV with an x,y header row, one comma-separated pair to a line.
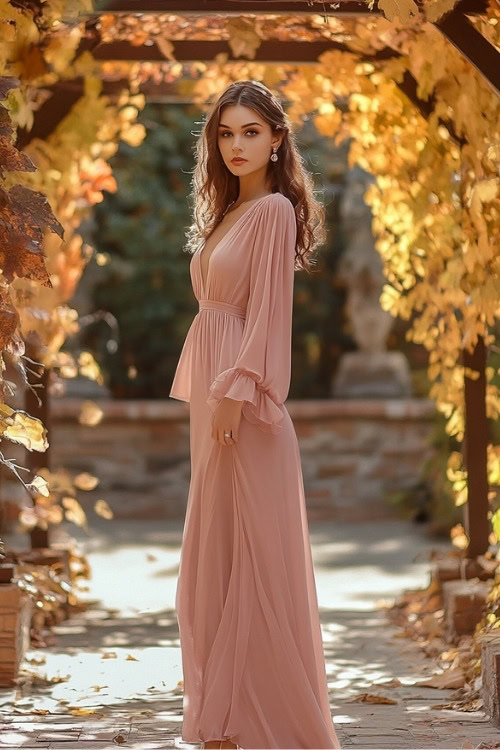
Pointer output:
x,y
243,133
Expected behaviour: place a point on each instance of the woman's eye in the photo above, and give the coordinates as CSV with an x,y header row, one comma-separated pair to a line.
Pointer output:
x,y
248,131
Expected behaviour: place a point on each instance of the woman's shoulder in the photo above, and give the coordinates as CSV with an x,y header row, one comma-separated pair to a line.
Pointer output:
x,y
277,218
279,202
280,197
274,209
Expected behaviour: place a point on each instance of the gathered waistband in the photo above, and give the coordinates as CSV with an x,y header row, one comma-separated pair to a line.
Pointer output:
x,y
227,307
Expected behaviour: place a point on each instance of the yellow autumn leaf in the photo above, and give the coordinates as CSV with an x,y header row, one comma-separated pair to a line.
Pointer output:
x,y
244,37
69,370
137,100
166,47
133,135
455,460
26,430
60,49
28,518
74,512
89,367
90,414
458,536
85,481
40,485
486,190
54,514
5,412
102,508
434,9
58,481
8,13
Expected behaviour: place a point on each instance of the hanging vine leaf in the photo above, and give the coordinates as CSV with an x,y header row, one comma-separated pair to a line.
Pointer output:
x,y
12,160
39,215
21,257
9,319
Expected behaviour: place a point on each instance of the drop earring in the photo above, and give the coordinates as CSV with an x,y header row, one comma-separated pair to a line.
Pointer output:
x,y
274,155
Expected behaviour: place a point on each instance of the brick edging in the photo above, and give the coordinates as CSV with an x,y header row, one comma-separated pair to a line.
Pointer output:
x,y
173,409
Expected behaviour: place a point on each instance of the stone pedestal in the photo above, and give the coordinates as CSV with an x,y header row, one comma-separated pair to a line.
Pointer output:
x,y
490,675
463,603
372,375
15,621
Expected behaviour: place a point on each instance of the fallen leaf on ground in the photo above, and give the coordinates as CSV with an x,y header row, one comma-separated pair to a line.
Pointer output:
x,y
36,661
452,678
109,655
41,679
371,698
84,712
391,683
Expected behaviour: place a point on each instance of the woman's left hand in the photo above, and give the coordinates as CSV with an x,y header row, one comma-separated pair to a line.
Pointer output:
x,y
226,418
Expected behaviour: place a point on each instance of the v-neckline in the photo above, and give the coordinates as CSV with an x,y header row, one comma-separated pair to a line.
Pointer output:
x,y
202,247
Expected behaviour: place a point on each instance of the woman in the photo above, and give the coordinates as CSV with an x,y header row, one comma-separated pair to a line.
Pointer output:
x,y
252,653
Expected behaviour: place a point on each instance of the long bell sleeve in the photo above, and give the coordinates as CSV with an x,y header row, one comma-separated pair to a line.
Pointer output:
x,y
261,373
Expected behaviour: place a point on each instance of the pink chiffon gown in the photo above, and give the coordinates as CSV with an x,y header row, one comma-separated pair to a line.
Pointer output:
x,y
246,601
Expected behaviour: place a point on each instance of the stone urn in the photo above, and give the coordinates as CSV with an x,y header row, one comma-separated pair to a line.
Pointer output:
x,y
372,371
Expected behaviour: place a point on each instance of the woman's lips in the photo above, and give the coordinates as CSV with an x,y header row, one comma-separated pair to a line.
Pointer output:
x,y
238,161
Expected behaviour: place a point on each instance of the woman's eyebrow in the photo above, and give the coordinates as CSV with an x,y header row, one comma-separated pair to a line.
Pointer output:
x,y
221,125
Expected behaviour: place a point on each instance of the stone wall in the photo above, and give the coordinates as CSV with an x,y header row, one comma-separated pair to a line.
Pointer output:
x,y
352,451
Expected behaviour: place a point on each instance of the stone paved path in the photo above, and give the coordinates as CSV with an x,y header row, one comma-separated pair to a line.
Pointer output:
x,y
120,661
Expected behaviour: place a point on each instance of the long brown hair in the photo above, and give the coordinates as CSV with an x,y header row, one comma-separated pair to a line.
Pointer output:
x,y
214,187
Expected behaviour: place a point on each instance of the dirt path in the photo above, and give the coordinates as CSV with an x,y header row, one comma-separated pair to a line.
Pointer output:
x,y
120,661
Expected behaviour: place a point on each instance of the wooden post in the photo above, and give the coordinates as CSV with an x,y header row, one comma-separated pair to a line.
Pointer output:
x,y
477,525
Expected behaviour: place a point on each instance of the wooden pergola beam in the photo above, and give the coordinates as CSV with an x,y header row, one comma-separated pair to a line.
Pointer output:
x,y
252,7
235,7
458,30
285,53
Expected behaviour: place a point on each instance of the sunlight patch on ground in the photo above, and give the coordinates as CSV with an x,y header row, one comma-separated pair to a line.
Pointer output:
x,y
101,678
118,578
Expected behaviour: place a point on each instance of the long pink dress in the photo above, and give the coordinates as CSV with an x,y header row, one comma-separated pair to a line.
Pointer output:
x,y
246,601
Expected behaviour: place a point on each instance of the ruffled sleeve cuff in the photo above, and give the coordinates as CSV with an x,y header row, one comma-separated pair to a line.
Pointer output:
x,y
258,407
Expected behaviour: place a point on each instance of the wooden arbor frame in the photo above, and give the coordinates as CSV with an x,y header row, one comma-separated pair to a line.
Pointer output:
x,y
454,26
